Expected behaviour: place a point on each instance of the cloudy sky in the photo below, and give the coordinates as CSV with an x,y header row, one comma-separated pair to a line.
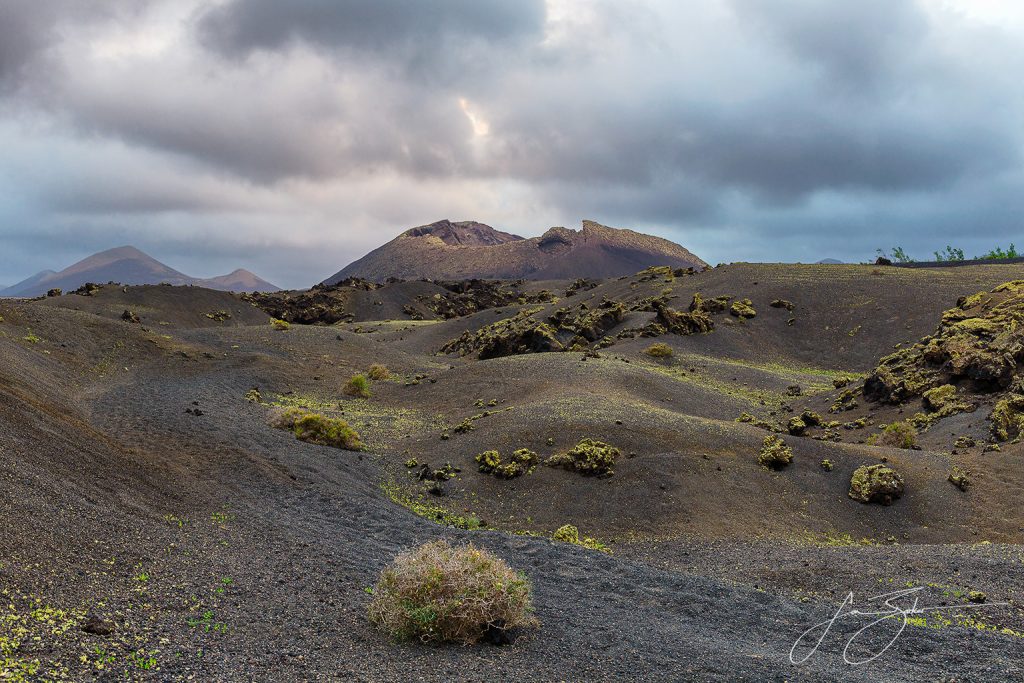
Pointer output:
x,y
292,137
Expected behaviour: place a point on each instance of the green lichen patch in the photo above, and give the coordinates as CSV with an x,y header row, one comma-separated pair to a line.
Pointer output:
x,y
876,484
1007,418
960,478
774,454
743,309
978,346
659,350
588,457
429,510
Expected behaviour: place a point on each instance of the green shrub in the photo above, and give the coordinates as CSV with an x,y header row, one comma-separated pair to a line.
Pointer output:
x,y
378,372
358,386
775,454
951,254
659,350
281,325
316,428
445,594
587,457
1000,253
896,435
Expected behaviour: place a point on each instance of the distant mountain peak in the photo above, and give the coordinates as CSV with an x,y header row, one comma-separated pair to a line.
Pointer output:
x,y
463,233
130,266
447,250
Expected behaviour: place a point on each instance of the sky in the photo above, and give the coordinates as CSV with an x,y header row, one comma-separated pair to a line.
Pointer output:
x,y
292,137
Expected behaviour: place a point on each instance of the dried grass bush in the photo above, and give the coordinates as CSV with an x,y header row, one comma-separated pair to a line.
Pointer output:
x,y
440,593
378,372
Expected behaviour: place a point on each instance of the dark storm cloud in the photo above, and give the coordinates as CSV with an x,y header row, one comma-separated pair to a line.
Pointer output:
x,y
857,44
425,36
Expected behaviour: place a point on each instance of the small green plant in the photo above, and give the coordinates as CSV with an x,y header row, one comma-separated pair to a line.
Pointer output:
x,y
827,465
140,659
450,594
570,534
378,372
222,517
659,350
174,520
32,338
358,386
775,454
280,325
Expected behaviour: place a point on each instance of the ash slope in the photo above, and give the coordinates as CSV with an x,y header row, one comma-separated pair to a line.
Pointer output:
x,y
455,251
129,266
225,550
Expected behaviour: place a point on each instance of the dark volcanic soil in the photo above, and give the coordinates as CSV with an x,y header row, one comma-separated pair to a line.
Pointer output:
x,y
155,528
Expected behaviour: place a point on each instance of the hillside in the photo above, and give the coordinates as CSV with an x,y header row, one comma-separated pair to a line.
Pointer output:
x,y
147,484
454,251
129,266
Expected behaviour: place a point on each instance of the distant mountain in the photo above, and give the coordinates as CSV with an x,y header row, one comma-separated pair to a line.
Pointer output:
x,y
129,266
831,261
456,251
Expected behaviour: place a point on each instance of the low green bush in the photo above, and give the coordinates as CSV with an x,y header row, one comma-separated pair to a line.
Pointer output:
x,y
358,386
317,428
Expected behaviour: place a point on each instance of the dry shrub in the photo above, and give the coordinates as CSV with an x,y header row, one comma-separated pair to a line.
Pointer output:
x,y
896,435
440,593
284,418
378,372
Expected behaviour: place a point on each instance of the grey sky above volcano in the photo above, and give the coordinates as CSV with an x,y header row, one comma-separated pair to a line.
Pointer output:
x,y
291,138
